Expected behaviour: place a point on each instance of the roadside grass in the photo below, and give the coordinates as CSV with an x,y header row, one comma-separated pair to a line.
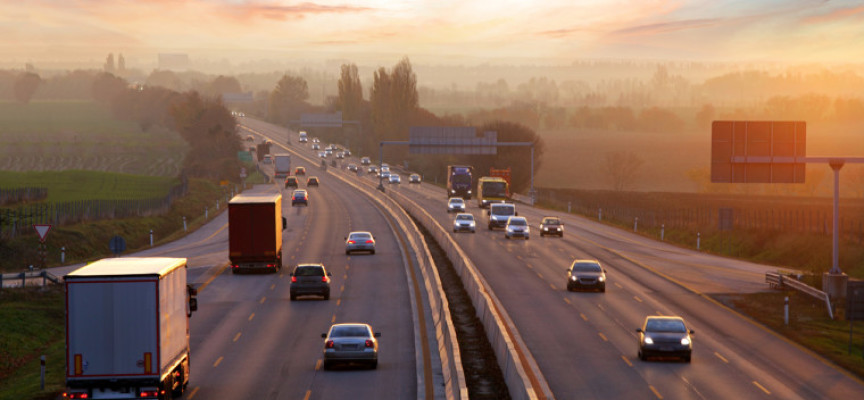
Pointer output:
x,y
32,321
73,185
809,325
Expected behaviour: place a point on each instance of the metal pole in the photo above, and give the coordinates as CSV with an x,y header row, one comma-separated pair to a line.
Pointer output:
x,y
786,311
532,175
568,207
698,239
835,258
380,164
600,214
206,212
662,231
635,224
42,373
184,224
151,238
63,255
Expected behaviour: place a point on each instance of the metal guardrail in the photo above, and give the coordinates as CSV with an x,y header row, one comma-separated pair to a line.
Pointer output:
x,y
12,280
778,280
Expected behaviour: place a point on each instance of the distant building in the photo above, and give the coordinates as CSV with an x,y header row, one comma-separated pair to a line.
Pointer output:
x,y
173,61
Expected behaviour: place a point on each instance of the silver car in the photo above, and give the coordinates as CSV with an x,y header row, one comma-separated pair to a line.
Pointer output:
x,y
455,204
359,241
517,227
351,343
464,223
310,279
395,179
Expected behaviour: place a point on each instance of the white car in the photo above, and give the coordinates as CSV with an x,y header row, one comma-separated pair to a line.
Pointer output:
x,y
395,179
464,223
517,227
455,204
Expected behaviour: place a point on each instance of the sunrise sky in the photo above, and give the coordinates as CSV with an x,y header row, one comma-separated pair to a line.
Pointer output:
x,y
460,31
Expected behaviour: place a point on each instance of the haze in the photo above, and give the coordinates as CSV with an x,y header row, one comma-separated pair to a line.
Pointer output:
x,y
79,33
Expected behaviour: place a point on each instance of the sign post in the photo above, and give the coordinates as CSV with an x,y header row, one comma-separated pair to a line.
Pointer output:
x,y
42,231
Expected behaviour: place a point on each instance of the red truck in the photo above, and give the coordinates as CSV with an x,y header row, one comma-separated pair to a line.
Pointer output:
x,y
255,225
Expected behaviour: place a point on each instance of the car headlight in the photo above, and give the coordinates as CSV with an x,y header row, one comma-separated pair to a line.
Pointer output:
x,y
648,340
601,278
685,341
469,192
546,229
471,224
452,191
573,278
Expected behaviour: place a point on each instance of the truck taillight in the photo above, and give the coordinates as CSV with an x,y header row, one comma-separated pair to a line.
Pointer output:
x,y
149,393
329,344
293,279
76,395
323,279
369,343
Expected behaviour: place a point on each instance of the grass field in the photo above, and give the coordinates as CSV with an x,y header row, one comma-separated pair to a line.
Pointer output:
x,y
69,185
74,135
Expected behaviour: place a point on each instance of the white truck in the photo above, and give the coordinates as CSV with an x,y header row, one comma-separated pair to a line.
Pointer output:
x,y
499,213
282,165
127,329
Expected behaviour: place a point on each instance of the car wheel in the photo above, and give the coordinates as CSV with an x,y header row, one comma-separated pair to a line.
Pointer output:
x,y
473,231
642,356
373,251
293,297
347,252
327,365
687,358
506,237
373,364
327,295
454,231
603,289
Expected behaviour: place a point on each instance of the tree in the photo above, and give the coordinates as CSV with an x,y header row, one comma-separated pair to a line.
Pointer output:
x,y
210,130
106,87
518,159
109,64
288,98
167,79
25,86
622,169
223,84
394,100
350,100
121,65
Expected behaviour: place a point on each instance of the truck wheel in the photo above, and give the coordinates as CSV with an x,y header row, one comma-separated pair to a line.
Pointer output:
x,y
178,391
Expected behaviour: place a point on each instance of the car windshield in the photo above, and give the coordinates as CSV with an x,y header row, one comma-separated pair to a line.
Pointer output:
x,y
299,193
457,201
349,331
465,217
518,222
360,236
586,267
503,210
665,325
551,222
309,271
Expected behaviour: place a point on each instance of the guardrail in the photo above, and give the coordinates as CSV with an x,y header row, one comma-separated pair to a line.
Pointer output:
x,y
521,373
29,276
779,280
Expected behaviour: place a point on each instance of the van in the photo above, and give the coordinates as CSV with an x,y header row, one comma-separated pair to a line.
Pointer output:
x,y
303,137
499,213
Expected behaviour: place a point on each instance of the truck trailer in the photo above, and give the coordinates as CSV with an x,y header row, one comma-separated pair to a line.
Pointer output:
x,y
281,165
127,329
255,225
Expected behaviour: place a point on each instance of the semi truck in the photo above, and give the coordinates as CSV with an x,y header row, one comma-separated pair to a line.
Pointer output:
x,y
281,165
127,329
255,225
491,189
459,181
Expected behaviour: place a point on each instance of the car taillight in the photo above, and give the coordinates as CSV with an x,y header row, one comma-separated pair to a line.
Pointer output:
x,y
369,343
293,279
329,344
370,241
76,395
235,266
323,279
351,242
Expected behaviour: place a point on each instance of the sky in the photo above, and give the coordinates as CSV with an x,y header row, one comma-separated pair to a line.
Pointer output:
x,y
79,32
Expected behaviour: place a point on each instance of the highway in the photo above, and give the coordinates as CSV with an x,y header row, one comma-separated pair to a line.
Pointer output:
x,y
585,343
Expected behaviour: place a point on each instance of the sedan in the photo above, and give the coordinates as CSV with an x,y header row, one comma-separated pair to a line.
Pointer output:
x,y
351,343
665,337
322,154
395,179
268,159
300,196
365,161
291,181
352,167
455,204
372,169
300,171
517,227
414,178
359,241
551,226
464,222
315,140
312,181
586,274
310,279
315,146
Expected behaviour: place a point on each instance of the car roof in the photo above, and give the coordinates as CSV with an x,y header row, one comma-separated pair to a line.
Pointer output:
x,y
360,233
663,317
515,218
300,191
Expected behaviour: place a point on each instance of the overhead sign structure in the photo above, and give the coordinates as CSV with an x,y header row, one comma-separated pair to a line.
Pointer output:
x,y
42,231
333,120
758,151
451,140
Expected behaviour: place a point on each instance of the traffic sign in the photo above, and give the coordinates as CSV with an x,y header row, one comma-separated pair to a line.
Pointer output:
x,y
758,151
451,140
42,231
117,245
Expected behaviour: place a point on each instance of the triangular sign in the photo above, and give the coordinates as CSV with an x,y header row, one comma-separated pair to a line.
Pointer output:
x,y
42,230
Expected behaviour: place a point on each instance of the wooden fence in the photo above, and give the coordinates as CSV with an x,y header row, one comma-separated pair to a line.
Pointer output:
x,y
23,194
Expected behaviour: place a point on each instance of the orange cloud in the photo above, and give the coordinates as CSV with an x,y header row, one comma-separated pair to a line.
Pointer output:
x,y
665,27
282,13
838,14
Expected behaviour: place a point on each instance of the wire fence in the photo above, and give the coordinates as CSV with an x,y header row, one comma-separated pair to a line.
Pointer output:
x,y
19,220
23,194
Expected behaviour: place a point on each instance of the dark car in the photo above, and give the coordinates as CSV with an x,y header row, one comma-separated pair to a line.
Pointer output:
x,y
312,181
586,274
300,196
291,181
551,226
414,178
300,171
665,337
310,279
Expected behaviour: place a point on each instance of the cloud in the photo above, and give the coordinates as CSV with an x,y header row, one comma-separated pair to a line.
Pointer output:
x,y
250,11
836,15
665,27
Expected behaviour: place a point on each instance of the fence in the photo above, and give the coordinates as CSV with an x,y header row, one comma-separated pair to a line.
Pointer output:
x,y
21,219
18,195
702,212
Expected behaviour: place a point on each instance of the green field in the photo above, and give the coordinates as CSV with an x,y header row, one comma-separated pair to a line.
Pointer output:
x,y
77,135
89,185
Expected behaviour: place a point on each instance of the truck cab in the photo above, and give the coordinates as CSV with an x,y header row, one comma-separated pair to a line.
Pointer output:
x,y
499,213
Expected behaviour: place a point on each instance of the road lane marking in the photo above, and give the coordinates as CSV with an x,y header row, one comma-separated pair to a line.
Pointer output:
x,y
583,316
338,302
318,364
344,277
292,256
194,391
252,316
332,320
218,361
530,266
566,300
207,282
540,275
619,285
656,393
637,299
761,387
721,357
263,299
602,336
308,393
273,286
342,288
347,266
626,361
600,306
552,286
237,336
281,275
